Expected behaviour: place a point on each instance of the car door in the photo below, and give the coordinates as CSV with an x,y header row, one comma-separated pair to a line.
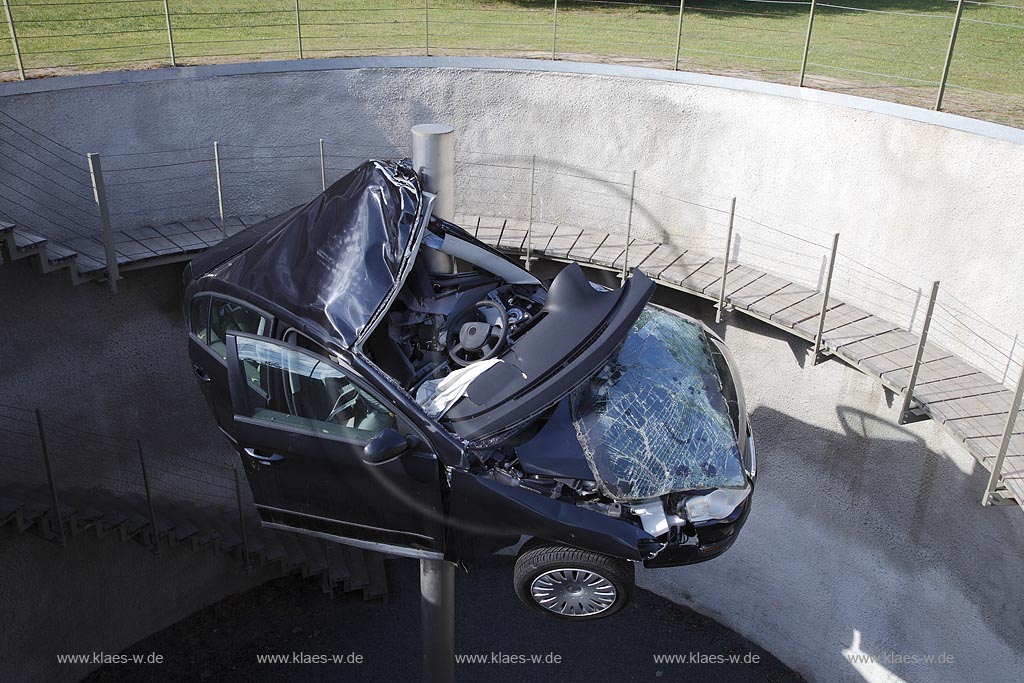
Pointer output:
x,y
211,317
301,422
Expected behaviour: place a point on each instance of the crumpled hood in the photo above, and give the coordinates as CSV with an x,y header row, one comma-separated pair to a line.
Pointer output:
x,y
653,420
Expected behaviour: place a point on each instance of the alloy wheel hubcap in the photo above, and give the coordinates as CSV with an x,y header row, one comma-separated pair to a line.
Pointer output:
x,y
573,592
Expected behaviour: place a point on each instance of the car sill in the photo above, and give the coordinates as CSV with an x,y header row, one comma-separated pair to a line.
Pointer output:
x,y
365,545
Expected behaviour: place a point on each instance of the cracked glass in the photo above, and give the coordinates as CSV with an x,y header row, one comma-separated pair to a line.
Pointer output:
x,y
653,420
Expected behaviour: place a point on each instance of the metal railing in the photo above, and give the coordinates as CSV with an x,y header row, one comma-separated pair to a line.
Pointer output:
x,y
963,56
623,213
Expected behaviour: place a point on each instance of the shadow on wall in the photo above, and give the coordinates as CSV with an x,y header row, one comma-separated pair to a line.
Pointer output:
x,y
894,494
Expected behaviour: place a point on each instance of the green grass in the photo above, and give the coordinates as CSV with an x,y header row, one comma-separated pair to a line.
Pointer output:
x,y
891,56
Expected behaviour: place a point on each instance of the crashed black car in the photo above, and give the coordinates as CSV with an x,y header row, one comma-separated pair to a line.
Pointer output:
x,y
391,382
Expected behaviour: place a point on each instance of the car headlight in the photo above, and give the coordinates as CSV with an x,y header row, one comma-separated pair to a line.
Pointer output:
x,y
718,504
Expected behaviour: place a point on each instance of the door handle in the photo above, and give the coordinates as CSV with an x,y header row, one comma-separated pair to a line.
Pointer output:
x,y
200,373
263,456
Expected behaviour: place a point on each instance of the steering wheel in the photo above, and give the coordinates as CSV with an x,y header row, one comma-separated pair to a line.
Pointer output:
x,y
471,338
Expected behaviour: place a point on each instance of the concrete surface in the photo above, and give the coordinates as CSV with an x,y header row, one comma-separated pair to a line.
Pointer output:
x,y
98,596
916,195
286,617
864,538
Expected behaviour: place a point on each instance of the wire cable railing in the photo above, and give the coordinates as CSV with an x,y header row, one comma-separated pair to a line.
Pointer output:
x,y
963,56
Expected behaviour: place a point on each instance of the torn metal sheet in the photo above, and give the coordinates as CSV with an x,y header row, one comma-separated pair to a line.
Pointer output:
x,y
653,420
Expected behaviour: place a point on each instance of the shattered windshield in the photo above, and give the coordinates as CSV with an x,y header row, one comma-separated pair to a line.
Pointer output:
x,y
654,420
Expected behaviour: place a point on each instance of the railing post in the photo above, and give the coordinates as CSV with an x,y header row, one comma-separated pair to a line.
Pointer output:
x,y
57,519
220,189
554,30
949,54
14,39
824,299
807,42
149,500
679,35
990,498
323,166
908,394
99,193
241,520
298,27
170,34
629,228
426,27
725,264
529,225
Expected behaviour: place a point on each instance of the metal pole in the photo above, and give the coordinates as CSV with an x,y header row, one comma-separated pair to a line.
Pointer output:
x,y
220,189
323,166
298,27
426,27
1004,443
554,30
433,158
170,35
908,393
949,54
241,520
529,226
437,616
824,299
99,193
629,228
807,43
14,40
679,34
149,499
58,520
725,265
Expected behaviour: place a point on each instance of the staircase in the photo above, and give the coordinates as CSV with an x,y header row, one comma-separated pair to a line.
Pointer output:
x,y
29,510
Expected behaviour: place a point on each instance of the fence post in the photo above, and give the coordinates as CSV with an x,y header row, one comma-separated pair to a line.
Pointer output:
x,y
908,393
990,498
58,521
149,500
824,299
298,27
170,35
14,40
725,264
554,30
220,189
807,43
679,34
529,226
629,228
949,54
426,27
241,521
323,166
99,193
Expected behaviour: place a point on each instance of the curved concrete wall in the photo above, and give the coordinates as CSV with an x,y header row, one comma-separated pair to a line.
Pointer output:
x,y
916,195
866,537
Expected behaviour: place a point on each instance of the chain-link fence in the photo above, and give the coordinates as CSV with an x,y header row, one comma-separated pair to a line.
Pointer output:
x,y
962,56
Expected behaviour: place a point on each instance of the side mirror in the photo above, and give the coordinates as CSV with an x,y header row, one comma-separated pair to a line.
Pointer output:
x,y
385,447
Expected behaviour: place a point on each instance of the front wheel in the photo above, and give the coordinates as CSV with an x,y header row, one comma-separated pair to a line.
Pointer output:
x,y
571,583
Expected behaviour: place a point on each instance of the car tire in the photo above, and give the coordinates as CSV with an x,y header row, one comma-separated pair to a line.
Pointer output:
x,y
570,583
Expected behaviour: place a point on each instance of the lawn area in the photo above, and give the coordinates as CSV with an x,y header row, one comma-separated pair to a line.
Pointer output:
x,y
891,49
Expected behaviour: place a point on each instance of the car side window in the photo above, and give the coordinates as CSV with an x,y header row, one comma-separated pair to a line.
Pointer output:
x,y
230,316
199,318
296,388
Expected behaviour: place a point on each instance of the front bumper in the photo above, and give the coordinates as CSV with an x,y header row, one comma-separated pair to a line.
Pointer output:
x,y
709,541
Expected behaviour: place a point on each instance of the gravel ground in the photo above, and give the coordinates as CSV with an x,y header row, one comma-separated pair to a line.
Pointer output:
x,y
290,616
